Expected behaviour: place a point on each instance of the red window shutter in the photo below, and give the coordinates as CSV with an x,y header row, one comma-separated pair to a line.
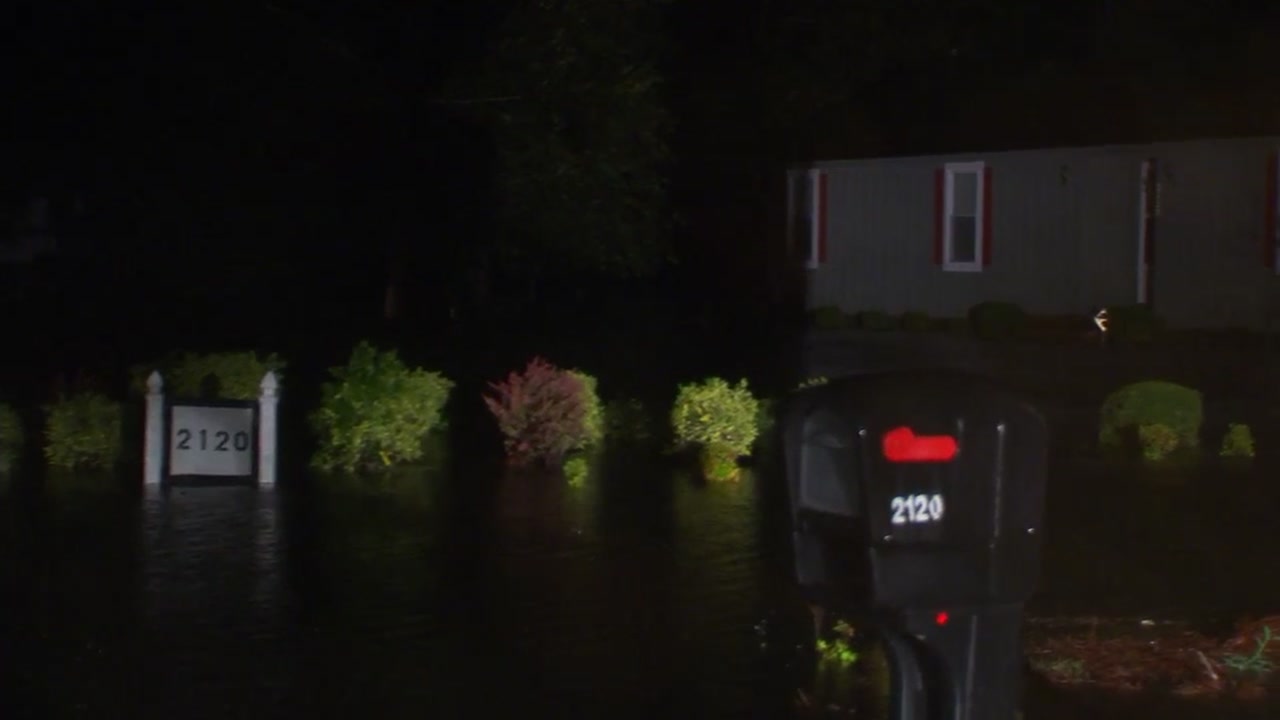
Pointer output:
x,y
822,217
939,213
1269,214
987,219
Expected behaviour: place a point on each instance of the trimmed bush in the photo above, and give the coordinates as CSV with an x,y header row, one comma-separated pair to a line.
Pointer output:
x,y
828,317
876,321
542,413
1133,323
717,418
12,438
997,320
812,382
916,322
376,411
238,375
83,432
1237,442
1150,403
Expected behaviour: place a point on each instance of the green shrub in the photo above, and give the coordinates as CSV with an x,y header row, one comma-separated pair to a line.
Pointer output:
x,y
593,423
714,412
376,411
12,438
1238,442
576,470
1133,323
916,322
718,462
83,432
877,321
627,419
1151,402
238,374
1158,441
997,320
828,317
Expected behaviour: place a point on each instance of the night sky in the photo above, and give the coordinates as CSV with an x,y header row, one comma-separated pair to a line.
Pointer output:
x,y
228,151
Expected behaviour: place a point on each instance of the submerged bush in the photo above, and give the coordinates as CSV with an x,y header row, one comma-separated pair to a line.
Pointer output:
x,y
720,419
543,413
83,432
1158,441
1150,403
12,438
594,419
718,462
1237,442
376,411
997,320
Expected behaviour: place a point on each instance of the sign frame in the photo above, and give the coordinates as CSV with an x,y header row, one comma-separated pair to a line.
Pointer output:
x,y
254,439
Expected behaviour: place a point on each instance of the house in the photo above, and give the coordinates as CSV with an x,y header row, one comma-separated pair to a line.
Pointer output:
x,y
1188,227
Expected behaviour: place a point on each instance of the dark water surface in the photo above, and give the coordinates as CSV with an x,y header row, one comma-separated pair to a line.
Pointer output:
x,y
449,593
633,595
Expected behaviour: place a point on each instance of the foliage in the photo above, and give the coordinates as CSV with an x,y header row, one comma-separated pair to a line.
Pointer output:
x,y
571,94
238,374
828,317
576,469
627,419
12,438
997,320
594,422
840,648
1158,441
916,322
541,412
1256,663
83,432
715,412
813,382
1151,402
376,411
718,462
876,320
1133,323
1238,441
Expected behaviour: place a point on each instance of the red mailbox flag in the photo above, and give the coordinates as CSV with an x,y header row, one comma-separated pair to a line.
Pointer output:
x,y
903,445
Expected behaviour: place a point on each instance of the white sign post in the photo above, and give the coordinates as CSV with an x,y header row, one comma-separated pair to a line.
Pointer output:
x,y
209,439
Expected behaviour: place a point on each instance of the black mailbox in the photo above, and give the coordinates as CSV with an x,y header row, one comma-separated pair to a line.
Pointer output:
x,y
917,499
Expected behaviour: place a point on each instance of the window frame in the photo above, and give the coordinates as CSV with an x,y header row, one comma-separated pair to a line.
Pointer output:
x,y
950,171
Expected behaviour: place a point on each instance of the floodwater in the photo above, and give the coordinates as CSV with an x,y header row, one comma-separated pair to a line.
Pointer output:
x,y
457,591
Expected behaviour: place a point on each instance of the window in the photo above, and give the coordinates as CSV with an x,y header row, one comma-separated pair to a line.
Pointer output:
x,y
964,217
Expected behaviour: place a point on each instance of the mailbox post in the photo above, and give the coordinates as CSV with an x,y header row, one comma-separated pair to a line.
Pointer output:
x,y
917,500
